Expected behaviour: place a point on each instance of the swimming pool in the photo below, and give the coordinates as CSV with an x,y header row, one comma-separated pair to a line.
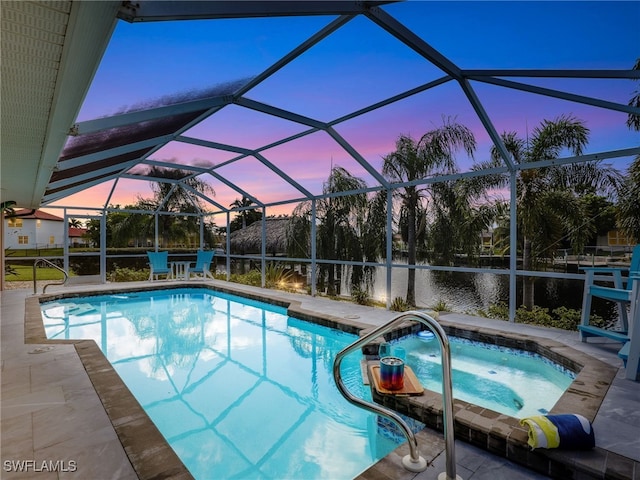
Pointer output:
x,y
509,381
238,388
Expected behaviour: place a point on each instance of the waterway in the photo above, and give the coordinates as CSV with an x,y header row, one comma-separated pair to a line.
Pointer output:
x,y
470,292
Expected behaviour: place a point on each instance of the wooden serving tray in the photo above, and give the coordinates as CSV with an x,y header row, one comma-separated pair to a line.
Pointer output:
x,y
412,385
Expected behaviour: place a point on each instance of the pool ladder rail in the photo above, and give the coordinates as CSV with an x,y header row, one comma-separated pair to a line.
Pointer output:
x,y
412,462
48,263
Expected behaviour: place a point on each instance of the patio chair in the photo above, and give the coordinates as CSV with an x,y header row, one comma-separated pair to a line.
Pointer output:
x,y
159,264
621,293
203,264
630,352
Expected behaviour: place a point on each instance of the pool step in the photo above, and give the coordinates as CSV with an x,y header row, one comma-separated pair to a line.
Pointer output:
x,y
69,308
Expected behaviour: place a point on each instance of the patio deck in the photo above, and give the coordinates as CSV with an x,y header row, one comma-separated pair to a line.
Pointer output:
x,y
59,405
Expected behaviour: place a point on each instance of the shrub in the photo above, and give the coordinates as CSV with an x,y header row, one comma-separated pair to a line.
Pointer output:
x,y
535,316
441,306
277,276
361,297
561,317
128,275
499,311
253,278
567,318
399,305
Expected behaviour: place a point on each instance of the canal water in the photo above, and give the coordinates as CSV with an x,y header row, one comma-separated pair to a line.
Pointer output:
x,y
469,292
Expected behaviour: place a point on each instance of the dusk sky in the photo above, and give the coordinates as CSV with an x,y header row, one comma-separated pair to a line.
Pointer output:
x,y
356,66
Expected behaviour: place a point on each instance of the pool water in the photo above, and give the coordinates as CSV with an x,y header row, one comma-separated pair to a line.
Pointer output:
x,y
508,381
238,388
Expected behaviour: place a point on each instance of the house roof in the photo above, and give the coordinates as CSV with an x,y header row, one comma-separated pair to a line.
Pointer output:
x,y
77,232
249,239
38,214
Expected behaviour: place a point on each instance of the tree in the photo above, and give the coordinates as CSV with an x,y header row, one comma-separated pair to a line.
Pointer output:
x,y
549,201
629,202
603,213
433,154
93,234
373,238
172,195
124,228
629,194
340,224
246,216
75,223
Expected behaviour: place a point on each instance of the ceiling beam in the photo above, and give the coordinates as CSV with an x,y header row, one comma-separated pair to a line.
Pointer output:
x,y
542,73
572,97
279,112
487,123
154,11
413,41
295,53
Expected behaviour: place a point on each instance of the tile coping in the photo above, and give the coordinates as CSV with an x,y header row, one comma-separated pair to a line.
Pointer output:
x,y
498,434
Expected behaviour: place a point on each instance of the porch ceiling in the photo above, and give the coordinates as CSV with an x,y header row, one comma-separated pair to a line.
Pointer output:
x,y
50,52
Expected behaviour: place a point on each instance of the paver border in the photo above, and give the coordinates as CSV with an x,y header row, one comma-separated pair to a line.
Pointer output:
x,y
496,433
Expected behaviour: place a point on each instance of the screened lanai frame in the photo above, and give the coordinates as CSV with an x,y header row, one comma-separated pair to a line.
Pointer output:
x,y
114,148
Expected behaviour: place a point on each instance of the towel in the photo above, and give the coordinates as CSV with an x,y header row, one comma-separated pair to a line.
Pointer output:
x,y
569,431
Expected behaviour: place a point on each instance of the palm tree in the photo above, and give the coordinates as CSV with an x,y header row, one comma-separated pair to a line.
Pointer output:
x,y
460,213
629,195
549,199
75,223
413,161
245,216
373,238
629,202
124,227
169,198
340,223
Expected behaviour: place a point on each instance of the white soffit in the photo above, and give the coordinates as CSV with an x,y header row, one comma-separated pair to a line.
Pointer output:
x,y
50,52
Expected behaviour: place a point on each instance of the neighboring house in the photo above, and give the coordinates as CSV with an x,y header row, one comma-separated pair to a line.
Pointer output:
x,y
77,237
616,240
35,230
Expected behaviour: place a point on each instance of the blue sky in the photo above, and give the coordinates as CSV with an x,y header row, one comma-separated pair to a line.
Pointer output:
x,y
360,64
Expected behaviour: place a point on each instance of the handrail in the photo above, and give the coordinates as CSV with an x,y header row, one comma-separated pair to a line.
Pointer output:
x,y
51,264
412,462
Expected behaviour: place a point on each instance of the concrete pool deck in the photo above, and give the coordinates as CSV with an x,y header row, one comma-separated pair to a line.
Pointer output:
x,y
55,424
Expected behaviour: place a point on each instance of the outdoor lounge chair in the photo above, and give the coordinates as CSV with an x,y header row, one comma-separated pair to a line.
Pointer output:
x,y
630,352
621,293
203,264
159,264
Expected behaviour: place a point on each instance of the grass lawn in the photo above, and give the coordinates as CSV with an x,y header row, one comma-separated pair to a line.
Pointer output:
x,y
25,274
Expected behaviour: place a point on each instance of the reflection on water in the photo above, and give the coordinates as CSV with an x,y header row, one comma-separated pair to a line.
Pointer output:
x,y
239,389
470,292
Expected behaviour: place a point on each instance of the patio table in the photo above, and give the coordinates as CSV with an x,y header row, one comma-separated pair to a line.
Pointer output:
x,y
180,270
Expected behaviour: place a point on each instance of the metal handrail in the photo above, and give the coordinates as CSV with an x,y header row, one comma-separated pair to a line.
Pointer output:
x,y
50,264
412,462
